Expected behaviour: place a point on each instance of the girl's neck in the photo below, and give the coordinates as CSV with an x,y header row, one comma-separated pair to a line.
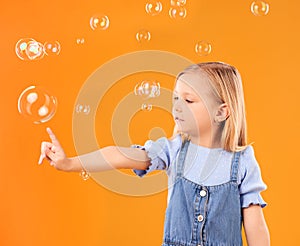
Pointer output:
x,y
206,144
212,140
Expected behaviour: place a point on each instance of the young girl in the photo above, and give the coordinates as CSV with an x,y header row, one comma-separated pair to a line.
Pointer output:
x,y
214,178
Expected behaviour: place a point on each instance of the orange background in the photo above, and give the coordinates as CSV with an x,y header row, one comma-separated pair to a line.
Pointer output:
x,y
41,206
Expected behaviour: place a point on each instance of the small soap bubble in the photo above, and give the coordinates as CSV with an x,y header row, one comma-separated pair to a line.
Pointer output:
x,y
147,89
146,107
80,41
180,3
153,7
21,47
99,22
203,48
52,48
37,104
84,175
82,109
177,12
143,36
35,50
259,8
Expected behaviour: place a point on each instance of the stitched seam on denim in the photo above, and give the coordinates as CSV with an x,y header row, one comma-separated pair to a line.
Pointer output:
x,y
205,216
194,229
213,187
175,242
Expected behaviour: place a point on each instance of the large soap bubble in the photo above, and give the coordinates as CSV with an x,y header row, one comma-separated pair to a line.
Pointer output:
x,y
37,104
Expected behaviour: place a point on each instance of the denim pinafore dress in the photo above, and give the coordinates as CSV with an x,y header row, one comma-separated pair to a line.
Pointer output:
x,y
199,215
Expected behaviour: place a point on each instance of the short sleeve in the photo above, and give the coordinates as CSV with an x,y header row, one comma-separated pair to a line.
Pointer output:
x,y
251,183
161,153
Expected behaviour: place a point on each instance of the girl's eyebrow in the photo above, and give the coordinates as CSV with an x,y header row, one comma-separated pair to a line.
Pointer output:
x,y
185,93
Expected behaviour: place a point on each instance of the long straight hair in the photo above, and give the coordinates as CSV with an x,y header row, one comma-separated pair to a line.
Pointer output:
x,y
226,83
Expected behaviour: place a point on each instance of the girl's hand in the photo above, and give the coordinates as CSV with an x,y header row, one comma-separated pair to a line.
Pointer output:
x,y
54,153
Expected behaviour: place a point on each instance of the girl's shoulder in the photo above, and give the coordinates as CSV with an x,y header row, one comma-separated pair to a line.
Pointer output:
x,y
248,162
248,155
248,152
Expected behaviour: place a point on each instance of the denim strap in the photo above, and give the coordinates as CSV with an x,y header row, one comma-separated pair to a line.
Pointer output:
x,y
235,166
181,158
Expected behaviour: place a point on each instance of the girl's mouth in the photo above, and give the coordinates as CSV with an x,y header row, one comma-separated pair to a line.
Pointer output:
x,y
178,119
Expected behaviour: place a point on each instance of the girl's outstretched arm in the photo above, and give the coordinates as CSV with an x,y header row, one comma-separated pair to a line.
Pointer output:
x,y
111,157
256,230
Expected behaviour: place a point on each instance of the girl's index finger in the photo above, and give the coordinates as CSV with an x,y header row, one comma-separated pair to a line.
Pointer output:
x,y
52,136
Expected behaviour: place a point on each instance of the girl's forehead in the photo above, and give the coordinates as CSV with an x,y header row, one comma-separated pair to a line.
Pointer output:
x,y
193,82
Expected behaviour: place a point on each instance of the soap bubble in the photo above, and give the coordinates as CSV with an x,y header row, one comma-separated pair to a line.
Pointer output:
x,y
259,8
203,48
146,107
143,36
29,49
84,175
37,104
52,48
177,12
147,89
178,2
35,50
85,109
153,7
99,22
80,40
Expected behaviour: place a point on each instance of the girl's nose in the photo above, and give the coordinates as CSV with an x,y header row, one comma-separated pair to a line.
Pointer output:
x,y
177,107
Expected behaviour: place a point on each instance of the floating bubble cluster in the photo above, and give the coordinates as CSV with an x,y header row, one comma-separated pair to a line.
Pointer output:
x,y
28,49
82,109
99,22
147,89
153,8
203,48
143,36
177,9
259,8
37,104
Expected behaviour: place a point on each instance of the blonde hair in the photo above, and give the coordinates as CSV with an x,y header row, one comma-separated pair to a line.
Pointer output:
x,y
226,83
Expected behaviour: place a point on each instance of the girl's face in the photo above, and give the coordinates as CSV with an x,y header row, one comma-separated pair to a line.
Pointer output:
x,y
194,105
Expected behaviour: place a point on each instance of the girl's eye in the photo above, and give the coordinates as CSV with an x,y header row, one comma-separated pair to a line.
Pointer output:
x,y
175,97
188,101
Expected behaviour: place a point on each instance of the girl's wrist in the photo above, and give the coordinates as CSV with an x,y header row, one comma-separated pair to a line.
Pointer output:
x,y
75,164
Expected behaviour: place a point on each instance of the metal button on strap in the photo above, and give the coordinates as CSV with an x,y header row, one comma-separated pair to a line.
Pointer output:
x,y
203,193
200,218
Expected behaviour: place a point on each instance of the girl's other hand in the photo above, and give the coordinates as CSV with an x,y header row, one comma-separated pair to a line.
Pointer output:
x,y
54,153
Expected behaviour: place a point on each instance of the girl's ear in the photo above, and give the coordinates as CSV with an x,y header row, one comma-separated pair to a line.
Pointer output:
x,y
222,113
